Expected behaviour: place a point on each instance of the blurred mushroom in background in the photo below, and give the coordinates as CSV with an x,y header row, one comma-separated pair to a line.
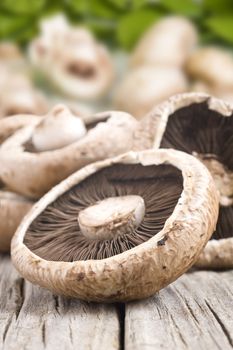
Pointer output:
x,y
18,95
71,59
146,86
13,209
11,55
211,68
168,42
157,66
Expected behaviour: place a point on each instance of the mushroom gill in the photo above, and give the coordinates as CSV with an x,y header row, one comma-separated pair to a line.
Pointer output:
x,y
207,134
152,191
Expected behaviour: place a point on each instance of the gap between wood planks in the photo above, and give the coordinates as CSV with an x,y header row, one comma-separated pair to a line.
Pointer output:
x,y
195,312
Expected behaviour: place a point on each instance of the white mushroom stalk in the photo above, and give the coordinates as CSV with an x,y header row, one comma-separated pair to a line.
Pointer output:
x,y
72,59
112,216
58,129
222,176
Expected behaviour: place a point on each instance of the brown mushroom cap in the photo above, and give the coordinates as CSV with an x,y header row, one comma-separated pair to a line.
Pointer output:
x,y
72,59
203,126
13,208
134,265
32,173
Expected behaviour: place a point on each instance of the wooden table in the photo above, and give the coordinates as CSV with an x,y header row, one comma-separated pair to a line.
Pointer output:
x,y
195,312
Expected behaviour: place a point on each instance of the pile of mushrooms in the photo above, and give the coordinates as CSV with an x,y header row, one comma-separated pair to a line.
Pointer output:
x,y
72,59
202,126
38,152
157,66
39,156
18,96
119,229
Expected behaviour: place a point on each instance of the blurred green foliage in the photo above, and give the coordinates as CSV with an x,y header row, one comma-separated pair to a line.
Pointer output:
x,y
118,22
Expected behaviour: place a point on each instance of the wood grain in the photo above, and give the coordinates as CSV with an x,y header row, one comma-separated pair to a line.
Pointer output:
x,y
195,312
32,318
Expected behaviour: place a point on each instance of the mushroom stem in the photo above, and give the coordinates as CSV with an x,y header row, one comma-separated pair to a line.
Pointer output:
x,y
57,129
112,216
223,177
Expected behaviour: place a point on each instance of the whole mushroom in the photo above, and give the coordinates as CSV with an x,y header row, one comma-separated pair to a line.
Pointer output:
x,y
169,41
145,86
72,59
39,156
201,125
119,229
18,96
212,66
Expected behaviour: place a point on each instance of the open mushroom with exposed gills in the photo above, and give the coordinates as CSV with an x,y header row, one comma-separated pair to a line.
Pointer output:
x,y
201,125
39,156
13,209
72,59
119,229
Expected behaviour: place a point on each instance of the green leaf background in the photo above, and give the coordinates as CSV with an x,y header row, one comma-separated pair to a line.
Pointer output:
x,y
120,23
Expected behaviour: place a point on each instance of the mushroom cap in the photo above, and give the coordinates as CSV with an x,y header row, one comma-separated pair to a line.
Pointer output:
x,y
168,42
143,270
72,60
34,173
13,209
146,86
204,65
221,92
204,112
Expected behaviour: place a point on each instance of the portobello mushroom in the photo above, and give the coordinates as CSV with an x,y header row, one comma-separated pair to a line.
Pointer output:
x,y
201,125
119,229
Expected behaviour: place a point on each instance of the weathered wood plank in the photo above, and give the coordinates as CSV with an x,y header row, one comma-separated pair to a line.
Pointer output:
x,y
195,312
32,318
